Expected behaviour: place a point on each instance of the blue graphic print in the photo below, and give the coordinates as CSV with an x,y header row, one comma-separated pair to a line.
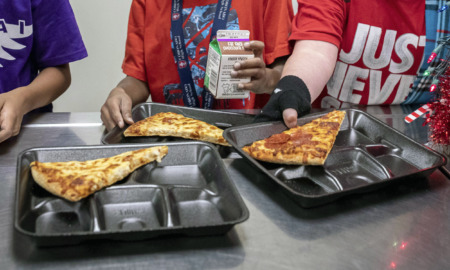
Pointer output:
x,y
197,25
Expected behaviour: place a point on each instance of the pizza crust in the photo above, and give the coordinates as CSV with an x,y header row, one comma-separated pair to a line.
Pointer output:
x,y
75,180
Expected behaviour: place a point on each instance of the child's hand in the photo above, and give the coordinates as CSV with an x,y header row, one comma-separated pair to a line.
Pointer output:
x,y
11,115
117,109
261,77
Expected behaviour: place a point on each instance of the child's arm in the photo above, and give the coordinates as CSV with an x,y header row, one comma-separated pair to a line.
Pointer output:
x,y
313,62
48,85
305,74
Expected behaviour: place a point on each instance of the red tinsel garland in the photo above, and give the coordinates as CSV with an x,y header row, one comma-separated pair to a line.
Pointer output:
x,y
439,120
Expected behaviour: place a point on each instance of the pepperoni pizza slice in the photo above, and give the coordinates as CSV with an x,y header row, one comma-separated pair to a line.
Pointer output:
x,y
176,125
309,144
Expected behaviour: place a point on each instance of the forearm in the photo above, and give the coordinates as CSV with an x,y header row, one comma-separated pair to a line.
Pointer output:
x,y
136,89
50,83
274,72
313,62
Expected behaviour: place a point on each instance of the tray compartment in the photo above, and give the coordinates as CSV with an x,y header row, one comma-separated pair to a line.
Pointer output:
x,y
191,179
189,175
56,216
61,222
195,207
354,168
309,180
367,155
379,150
124,209
404,149
352,137
194,167
397,165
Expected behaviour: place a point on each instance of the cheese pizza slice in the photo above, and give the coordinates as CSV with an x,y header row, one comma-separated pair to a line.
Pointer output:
x,y
176,125
308,144
75,180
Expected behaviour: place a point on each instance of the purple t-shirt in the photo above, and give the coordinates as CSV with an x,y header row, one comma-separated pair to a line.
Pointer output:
x,y
35,34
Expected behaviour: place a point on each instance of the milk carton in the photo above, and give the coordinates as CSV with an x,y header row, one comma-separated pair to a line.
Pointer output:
x,y
224,52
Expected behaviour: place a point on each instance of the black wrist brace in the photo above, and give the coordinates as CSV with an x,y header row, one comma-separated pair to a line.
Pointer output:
x,y
291,92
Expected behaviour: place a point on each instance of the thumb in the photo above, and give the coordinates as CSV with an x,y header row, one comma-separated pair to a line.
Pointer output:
x,y
127,117
290,117
125,108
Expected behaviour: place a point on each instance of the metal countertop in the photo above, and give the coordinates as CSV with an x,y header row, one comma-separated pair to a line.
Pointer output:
x,y
400,227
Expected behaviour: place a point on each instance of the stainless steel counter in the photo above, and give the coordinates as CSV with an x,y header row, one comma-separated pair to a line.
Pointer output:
x,y
401,227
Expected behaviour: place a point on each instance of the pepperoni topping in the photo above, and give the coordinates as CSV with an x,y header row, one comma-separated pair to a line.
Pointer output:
x,y
301,138
277,141
279,138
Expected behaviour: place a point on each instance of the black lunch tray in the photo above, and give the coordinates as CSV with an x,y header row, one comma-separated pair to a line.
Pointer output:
x,y
367,155
188,193
221,119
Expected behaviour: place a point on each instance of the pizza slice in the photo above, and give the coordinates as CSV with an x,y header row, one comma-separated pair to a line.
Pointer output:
x,y
176,125
75,180
309,144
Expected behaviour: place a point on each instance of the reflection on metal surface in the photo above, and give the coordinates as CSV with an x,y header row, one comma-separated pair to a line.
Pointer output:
x,y
64,125
357,232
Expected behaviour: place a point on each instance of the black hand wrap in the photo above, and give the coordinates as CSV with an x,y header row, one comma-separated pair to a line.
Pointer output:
x,y
291,92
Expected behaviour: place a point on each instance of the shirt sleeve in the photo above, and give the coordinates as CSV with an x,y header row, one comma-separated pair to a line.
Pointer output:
x,y
56,36
319,20
278,16
134,61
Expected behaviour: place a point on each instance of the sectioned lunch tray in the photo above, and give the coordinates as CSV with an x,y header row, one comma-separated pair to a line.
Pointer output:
x,y
188,193
367,154
221,119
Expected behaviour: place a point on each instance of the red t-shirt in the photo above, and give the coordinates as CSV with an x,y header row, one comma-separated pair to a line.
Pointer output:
x,y
149,55
381,46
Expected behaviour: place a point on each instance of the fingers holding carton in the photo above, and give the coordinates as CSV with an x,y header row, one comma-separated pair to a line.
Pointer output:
x,y
225,52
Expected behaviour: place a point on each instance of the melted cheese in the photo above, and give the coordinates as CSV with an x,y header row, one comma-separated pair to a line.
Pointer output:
x,y
74,180
309,144
176,125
